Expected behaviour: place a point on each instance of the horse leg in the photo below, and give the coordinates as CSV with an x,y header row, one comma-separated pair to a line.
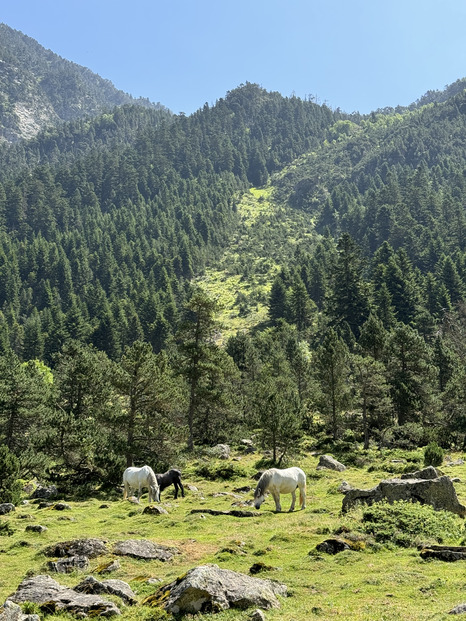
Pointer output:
x,y
302,497
293,500
276,497
175,485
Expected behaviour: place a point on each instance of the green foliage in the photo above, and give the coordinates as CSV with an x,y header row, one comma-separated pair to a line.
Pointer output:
x,y
407,524
214,471
433,454
10,486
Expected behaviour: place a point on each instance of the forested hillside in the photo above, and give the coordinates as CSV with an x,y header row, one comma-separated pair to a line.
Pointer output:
x,y
338,239
38,88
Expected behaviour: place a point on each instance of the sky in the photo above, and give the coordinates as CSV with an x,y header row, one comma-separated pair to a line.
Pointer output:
x,y
357,55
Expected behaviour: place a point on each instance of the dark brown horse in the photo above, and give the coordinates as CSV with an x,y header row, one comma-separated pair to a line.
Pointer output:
x,y
171,477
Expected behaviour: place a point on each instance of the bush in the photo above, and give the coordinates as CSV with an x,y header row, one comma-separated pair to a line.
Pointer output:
x,y
407,524
433,455
224,471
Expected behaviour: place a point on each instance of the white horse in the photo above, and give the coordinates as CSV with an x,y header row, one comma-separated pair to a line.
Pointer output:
x,y
275,481
138,478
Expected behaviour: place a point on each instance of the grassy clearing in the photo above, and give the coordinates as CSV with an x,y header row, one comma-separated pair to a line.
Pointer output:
x,y
379,581
267,237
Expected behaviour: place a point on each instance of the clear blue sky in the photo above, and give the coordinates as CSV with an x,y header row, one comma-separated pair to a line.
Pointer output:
x,y
356,55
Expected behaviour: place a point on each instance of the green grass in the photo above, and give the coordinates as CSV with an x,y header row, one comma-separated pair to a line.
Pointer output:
x,y
380,581
266,239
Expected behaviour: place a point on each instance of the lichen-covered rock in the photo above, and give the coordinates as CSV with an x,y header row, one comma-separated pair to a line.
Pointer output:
x,y
119,588
142,548
12,612
154,510
43,590
330,463
209,588
426,473
77,547
438,493
68,564
332,546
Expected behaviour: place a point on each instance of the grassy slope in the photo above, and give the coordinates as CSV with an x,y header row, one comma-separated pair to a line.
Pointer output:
x,y
268,235
375,583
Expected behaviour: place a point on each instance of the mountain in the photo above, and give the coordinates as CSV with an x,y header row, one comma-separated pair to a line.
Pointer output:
x,y
40,89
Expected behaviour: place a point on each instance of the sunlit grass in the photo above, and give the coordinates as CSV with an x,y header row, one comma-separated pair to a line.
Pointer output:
x,y
377,582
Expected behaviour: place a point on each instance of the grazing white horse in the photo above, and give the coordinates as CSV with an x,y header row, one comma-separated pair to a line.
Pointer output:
x,y
138,478
275,481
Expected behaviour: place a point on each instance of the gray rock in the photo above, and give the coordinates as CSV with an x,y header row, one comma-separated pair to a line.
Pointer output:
x,y
45,492
77,547
257,615
332,546
6,507
209,588
154,510
12,612
222,451
119,588
438,493
426,473
108,568
330,463
458,610
69,564
36,528
142,548
44,590
61,506
344,487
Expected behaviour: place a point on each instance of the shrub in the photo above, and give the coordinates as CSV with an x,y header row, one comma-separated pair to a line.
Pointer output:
x,y
224,471
407,524
433,455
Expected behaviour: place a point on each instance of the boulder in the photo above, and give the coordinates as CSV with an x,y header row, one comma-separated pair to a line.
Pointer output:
x,y
45,492
438,493
222,451
77,547
36,528
119,588
12,612
426,473
332,546
69,564
6,507
457,610
154,510
330,463
209,588
43,590
344,487
450,554
142,548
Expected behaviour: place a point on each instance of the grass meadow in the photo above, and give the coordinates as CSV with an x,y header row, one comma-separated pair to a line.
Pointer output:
x,y
374,581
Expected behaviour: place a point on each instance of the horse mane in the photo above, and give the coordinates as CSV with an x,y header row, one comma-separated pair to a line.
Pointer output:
x,y
263,483
151,478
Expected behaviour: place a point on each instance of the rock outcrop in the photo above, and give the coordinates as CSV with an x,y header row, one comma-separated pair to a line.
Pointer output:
x,y
43,590
330,463
439,493
209,588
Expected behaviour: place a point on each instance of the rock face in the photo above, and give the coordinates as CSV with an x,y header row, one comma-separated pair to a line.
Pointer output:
x,y
209,588
45,590
450,554
141,548
438,493
330,463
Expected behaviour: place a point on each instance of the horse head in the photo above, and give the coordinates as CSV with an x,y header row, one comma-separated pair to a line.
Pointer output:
x,y
259,497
